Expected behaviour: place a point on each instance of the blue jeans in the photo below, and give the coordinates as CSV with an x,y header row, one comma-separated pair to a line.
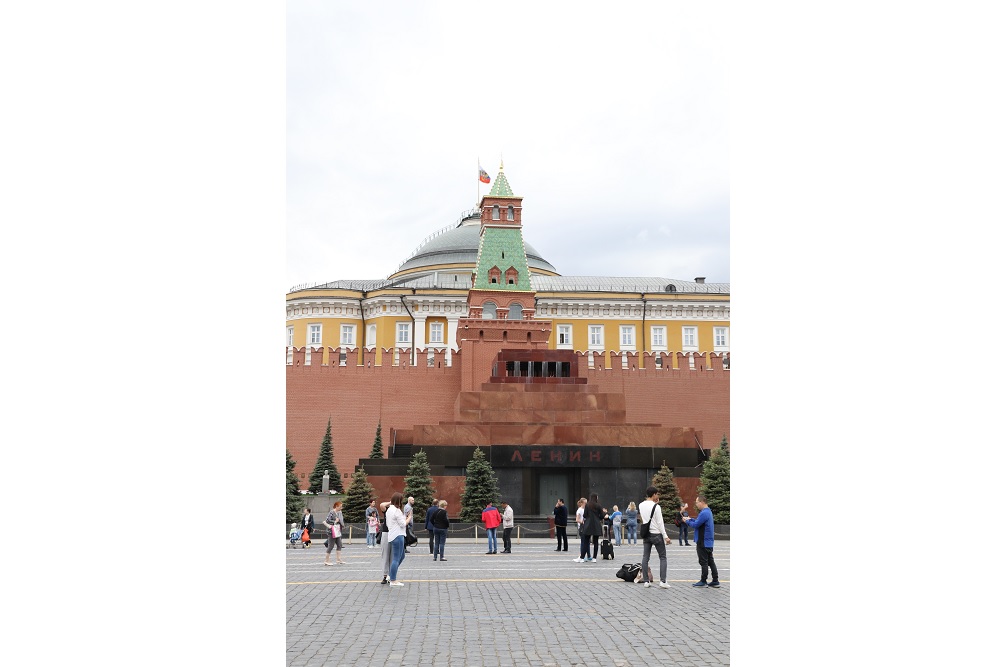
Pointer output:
x,y
440,535
371,539
618,535
491,539
398,554
631,533
682,533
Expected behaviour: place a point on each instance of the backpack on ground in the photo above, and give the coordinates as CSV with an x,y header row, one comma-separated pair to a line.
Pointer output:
x,y
628,571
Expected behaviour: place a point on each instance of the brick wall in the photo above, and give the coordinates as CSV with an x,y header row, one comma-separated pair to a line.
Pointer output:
x,y
356,397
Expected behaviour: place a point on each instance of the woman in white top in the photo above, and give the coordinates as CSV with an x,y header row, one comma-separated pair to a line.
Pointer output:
x,y
584,539
650,512
396,524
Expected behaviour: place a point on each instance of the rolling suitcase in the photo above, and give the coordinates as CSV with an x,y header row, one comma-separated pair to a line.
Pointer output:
x,y
607,549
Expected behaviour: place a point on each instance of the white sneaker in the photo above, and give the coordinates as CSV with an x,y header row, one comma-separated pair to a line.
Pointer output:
x,y
577,560
395,583
645,584
370,546
664,584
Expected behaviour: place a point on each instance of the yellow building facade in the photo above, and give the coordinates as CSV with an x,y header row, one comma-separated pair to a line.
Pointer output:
x,y
419,305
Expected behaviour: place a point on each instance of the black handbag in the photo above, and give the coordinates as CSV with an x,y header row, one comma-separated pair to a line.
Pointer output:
x,y
410,539
644,527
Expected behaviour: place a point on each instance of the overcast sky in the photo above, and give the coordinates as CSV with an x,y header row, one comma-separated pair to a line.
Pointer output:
x,y
613,126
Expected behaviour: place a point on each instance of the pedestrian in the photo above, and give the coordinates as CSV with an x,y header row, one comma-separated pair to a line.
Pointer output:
x,y
371,524
308,525
334,522
508,525
440,524
371,517
616,525
704,542
491,519
560,516
593,520
430,526
408,514
584,540
386,546
631,522
682,528
396,521
651,513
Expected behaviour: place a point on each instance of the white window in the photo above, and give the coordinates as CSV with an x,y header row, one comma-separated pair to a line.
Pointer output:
x,y
596,336
689,338
291,331
627,336
514,313
496,212
347,335
371,336
510,212
315,334
659,337
489,311
402,332
565,334
437,332
722,338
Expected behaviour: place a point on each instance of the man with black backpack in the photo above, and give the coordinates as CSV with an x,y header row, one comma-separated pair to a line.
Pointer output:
x,y
654,534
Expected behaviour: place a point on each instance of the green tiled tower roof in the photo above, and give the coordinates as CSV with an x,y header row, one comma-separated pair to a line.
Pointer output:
x,y
502,247
501,188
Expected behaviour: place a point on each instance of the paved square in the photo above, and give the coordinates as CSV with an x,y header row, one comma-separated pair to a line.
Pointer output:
x,y
531,607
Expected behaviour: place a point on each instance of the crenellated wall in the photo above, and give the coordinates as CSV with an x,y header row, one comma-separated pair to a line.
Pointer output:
x,y
355,396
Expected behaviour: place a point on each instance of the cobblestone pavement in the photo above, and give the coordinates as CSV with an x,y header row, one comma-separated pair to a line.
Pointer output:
x,y
534,606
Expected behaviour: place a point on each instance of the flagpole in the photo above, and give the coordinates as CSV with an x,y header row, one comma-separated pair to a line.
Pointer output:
x,y
480,166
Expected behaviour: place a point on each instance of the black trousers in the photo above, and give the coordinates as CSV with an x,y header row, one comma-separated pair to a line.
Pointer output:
x,y
706,560
506,538
430,540
561,541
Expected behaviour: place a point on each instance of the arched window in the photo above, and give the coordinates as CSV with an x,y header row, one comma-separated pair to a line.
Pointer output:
x,y
510,212
489,311
496,212
670,288
515,312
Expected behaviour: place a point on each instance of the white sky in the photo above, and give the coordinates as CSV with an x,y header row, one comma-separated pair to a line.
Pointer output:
x,y
612,126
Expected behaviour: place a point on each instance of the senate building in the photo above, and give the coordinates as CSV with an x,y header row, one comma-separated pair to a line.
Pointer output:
x,y
570,385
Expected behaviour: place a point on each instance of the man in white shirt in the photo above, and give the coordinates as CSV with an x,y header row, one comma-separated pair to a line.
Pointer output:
x,y
508,525
651,513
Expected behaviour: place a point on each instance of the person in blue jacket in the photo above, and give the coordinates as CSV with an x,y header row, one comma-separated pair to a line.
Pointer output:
x,y
704,542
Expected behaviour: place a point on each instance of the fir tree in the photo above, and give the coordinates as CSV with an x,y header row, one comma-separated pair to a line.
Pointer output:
x,y
293,499
359,496
377,445
325,463
715,483
481,488
417,483
670,499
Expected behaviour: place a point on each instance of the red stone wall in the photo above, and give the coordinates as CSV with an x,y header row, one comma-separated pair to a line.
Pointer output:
x,y
355,397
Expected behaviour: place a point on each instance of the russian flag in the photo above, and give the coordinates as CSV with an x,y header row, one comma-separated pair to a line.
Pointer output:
x,y
483,176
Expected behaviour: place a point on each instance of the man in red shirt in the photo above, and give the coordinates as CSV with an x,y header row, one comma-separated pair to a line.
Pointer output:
x,y
492,519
